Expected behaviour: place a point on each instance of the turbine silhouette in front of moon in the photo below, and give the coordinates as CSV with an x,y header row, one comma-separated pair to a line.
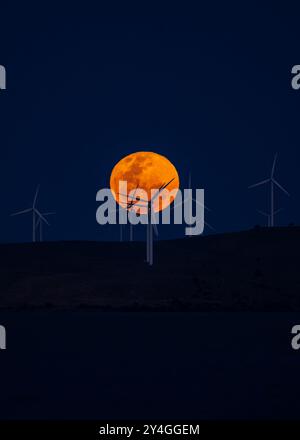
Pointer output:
x,y
147,171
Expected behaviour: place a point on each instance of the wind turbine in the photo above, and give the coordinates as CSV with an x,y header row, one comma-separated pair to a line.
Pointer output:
x,y
39,223
273,182
35,214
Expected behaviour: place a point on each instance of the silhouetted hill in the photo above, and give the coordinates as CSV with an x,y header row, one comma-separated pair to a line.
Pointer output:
x,y
251,270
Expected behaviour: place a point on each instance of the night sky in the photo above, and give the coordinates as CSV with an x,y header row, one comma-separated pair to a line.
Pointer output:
x,y
208,86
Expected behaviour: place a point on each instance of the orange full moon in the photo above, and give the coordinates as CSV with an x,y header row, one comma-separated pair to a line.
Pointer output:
x,y
146,171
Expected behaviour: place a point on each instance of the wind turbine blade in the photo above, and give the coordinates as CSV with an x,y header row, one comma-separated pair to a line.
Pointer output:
x,y
273,166
177,205
21,212
134,198
263,213
259,183
167,184
201,204
42,217
133,203
209,226
278,210
161,189
280,187
205,223
35,196
137,204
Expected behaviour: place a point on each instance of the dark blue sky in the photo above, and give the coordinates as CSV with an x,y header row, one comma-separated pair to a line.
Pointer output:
x,y
208,86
